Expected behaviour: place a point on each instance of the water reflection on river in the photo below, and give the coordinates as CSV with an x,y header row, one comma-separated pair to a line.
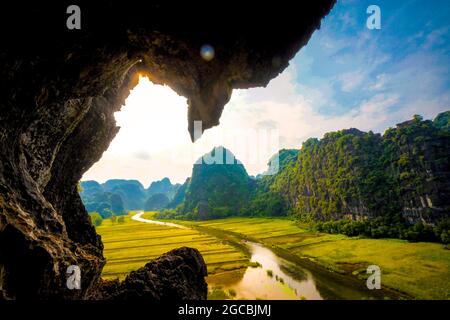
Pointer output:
x,y
288,281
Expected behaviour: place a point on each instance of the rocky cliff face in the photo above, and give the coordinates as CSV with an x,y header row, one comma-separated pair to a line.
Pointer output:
x,y
60,89
178,274
358,175
417,155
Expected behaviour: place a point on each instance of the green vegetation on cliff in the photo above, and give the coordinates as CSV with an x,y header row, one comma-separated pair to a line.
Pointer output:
x,y
219,187
404,173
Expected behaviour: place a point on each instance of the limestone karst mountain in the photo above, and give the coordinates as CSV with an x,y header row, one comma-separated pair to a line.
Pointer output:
x,y
219,186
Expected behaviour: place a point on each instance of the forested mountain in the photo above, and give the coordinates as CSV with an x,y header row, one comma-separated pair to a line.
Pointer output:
x,y
131,191
163,186
264,201
279,161
156,201
354,174
95,199
219,187
179,195
118,195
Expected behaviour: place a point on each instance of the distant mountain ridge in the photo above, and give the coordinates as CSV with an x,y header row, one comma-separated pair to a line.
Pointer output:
x,y
163,186
96,199
131,193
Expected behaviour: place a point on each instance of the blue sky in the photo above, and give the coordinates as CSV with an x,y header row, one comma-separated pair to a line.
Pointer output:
x,y
347,76
345,63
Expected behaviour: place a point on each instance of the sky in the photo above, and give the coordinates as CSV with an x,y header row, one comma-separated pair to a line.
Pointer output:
x,y
346,76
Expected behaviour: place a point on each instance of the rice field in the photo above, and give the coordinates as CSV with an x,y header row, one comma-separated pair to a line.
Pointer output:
x,y
131,244
421,270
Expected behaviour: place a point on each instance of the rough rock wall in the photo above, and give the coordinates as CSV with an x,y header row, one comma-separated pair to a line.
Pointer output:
x,y
176,275
60,88
338,176
358,175
418,157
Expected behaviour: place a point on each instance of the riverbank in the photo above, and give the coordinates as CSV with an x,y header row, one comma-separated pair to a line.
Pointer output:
x,y
274,275
413,270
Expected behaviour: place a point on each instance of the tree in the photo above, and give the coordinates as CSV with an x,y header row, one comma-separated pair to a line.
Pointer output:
x,y
96,218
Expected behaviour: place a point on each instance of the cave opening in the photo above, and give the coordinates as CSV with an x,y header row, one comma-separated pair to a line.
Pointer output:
x,y
152,122
152,130
153,147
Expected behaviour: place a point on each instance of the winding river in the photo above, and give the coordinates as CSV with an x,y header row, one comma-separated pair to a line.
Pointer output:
x,y
281,276
272,281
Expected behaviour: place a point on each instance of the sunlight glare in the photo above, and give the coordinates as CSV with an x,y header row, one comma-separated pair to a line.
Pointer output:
x,y
153,119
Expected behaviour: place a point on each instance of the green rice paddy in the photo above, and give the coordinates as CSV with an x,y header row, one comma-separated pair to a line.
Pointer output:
x,y
130,245
419,270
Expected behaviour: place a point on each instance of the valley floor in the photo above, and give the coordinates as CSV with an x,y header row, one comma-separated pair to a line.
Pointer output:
x,y
421,270
415,270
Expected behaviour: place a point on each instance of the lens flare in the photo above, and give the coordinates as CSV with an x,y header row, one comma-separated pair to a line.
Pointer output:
x,y
207,52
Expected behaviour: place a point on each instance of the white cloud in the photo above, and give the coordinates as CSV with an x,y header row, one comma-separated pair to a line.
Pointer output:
x,y
380,83
436,37
351,80
347,20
